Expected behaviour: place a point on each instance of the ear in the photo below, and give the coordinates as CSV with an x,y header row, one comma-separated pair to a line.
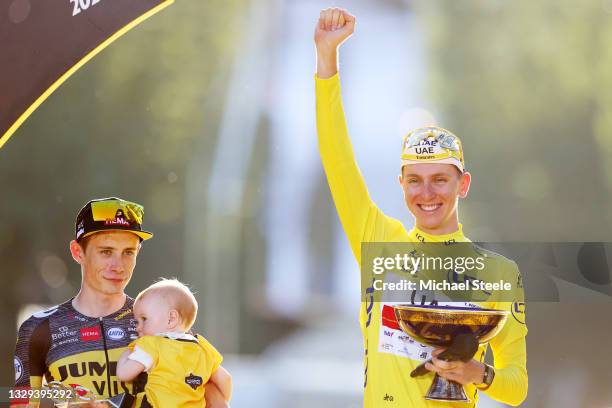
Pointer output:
x,y
400,177
174,319
77,252
464,184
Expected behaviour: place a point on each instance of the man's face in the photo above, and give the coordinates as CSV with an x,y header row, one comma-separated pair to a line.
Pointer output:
x,y
431,192
108,261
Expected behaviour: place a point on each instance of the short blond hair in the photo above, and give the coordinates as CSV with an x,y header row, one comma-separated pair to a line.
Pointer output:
x,y
178,296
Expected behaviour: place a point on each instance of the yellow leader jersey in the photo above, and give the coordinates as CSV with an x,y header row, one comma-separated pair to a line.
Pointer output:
x,y
390,355
179,365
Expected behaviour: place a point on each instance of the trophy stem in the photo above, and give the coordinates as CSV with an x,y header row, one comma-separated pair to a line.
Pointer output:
x,y
445,390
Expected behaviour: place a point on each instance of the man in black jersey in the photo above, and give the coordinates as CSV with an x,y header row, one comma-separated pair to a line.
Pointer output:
x,y
79,341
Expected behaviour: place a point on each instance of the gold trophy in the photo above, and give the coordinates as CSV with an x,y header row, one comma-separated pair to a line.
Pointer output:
x,y
84,397
457,329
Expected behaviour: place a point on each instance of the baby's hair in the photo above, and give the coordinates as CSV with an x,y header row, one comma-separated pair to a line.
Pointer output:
x,y
178,296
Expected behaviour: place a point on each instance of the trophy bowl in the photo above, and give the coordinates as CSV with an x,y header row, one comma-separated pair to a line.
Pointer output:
x,y
84,397
439,326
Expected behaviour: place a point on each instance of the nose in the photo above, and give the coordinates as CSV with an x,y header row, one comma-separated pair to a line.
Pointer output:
x,y
116,264
428,193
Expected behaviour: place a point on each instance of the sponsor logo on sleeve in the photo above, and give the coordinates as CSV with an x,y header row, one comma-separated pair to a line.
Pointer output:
x,y
18,369
518,312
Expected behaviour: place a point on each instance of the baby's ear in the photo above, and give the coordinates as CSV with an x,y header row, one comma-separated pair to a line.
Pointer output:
x,y
174,319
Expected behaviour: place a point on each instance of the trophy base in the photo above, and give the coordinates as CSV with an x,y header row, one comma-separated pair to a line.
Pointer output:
x,y
444,390
122,401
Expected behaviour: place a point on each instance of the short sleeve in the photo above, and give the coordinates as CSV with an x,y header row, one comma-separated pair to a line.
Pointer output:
x,y
33,343
211,352
145,351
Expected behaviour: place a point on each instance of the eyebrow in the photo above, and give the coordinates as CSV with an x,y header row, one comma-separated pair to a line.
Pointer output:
x,y
110,247
429,175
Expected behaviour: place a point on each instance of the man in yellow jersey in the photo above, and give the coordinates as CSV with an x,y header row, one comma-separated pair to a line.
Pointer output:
x,y
432,178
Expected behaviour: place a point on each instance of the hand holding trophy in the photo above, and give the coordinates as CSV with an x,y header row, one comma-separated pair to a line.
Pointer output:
x,y
458,329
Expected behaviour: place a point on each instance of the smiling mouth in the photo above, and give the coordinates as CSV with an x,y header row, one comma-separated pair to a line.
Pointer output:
x,y
429,207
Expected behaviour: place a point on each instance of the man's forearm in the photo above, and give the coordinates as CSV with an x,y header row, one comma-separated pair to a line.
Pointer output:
x,y
509,386
214,397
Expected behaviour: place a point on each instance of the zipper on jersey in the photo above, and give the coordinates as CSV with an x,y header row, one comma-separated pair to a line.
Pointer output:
x,y
108,378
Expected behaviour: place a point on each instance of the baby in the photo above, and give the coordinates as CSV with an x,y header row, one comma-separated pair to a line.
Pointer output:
x,y
178,364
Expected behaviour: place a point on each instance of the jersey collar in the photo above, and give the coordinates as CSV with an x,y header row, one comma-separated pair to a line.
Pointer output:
x,y
124,311
421,236
177,336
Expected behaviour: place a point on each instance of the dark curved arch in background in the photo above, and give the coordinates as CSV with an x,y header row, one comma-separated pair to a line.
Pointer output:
x,y
44,42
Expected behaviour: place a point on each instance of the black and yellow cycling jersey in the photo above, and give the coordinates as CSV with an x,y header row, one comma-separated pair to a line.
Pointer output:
x,y
61,344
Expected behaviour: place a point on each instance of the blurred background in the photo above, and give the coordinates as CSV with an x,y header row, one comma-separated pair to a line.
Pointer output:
x,y
205,115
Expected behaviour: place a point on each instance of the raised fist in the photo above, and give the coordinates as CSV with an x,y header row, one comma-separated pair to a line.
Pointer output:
x,y
335,25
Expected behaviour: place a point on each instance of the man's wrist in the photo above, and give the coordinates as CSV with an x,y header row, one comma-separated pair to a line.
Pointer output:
x,y
488,373
327,63
480,372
